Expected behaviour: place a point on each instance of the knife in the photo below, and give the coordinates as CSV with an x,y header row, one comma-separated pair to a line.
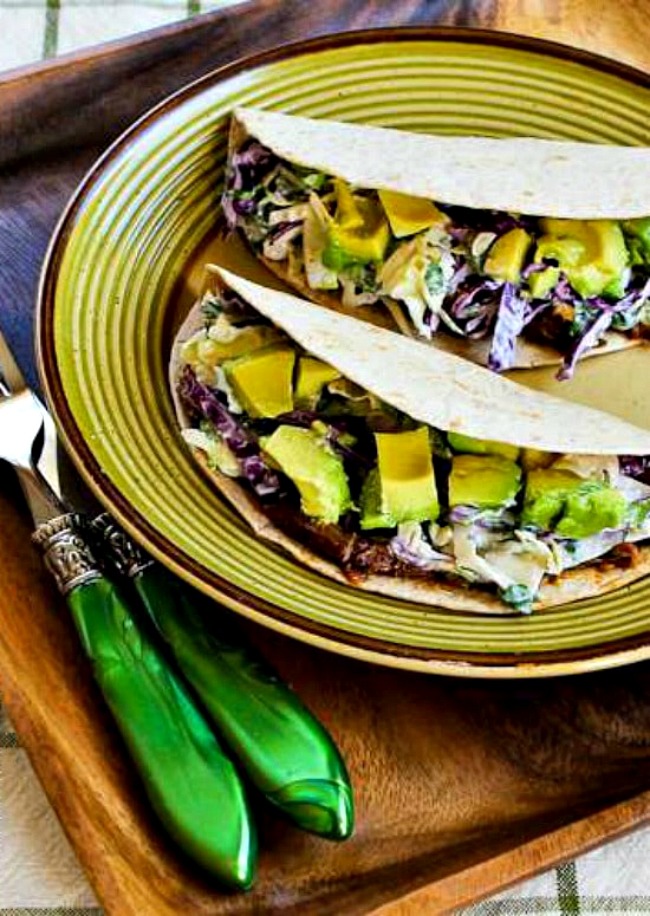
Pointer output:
x,y
192,784
281,746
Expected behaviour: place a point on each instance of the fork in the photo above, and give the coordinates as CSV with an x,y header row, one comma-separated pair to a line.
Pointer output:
x,y
191,783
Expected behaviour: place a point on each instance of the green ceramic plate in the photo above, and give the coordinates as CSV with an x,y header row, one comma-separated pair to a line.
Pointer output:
x,y
125,264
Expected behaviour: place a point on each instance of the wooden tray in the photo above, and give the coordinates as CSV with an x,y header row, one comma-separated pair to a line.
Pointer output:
x,y
462,787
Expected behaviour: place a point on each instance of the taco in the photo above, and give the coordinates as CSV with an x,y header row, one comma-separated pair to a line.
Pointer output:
x,y
512,253
398,468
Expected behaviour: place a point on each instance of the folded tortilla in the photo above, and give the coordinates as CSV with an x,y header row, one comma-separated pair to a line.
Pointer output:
x,y
535,177
442,391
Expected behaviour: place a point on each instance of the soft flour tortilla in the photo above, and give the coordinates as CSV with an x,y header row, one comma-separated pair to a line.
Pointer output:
x,y
441,390
521,175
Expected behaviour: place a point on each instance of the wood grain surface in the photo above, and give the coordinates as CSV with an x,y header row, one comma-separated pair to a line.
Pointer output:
x,y
461,787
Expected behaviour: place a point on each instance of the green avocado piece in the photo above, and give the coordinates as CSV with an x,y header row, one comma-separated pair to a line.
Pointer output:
x,y
462,443
404,483
316,471
486,481
567,251
560,501
637,234
262,380
359,233
591,508
372,515
542,282
313,375
506,256
592,253
545,494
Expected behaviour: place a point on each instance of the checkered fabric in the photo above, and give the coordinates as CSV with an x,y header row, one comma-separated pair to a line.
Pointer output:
x,y
39,875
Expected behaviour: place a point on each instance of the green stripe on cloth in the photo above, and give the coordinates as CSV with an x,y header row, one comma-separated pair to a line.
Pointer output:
x,y
193,7
51,39
567,889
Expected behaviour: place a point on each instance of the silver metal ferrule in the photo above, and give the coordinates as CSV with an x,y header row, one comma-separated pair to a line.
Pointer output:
x,y
65,552
124,554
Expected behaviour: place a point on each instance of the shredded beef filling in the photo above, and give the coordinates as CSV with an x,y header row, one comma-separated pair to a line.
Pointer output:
x,y
356,555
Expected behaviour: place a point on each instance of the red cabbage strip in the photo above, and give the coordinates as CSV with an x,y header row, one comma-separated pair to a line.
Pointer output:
x,y
203,401
592,334
247,168
474,305
508,327
637,466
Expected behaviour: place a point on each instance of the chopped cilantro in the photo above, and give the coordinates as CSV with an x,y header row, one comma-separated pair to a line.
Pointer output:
x,y
518,596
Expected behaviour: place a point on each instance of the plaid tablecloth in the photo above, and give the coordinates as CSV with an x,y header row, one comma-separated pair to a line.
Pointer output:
x,y
39,873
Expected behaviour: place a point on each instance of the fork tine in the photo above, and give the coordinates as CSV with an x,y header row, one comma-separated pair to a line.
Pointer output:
x,y
11,378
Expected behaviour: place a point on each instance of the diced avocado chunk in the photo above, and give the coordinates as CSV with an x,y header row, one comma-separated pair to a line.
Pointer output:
x,y
316,471
542,282
637,233
348,215
406,482
560,501
408,215
483,481
591,508
372,515
545,494
506,256
262,380
359,232
567,251
462,443
313,375
592,253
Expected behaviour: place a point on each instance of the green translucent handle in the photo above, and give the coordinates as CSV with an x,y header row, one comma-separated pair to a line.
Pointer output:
x,y
192,785
284,750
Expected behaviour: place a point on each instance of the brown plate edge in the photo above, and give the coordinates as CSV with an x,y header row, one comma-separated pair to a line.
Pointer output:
x,y
461,664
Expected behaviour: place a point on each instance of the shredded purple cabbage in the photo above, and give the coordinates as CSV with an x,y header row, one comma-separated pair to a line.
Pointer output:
x,y
637,466
248,166
298,417
276,232
497,221
460,275
462,515
475,306
205,403
509,325
563,291
459,233
427,558
593,331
